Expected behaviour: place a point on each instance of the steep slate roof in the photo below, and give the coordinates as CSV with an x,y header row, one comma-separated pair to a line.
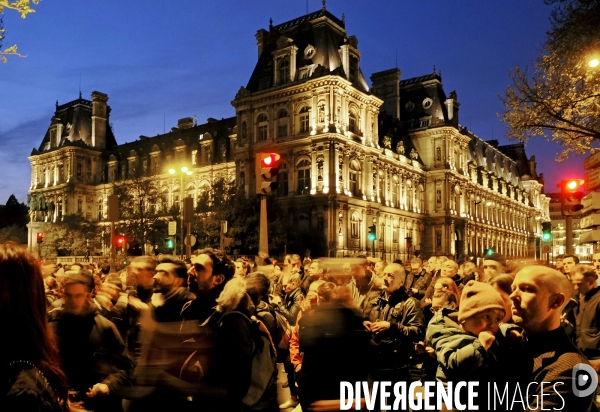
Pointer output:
x,y
77,115
416,90
320,29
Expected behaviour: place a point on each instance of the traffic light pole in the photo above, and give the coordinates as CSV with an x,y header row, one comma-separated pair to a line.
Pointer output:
x,y
113,249
263,242
569,228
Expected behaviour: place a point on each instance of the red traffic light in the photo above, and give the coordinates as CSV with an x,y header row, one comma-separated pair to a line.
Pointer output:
x,y
40,237
570,185
270,160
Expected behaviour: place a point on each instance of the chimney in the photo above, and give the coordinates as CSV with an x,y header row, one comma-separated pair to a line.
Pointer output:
x,y
260,37
185,123
386,86
452,105
99,119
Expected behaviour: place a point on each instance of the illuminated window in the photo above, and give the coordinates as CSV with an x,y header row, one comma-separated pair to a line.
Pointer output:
x,y
303,170
304,119
262,128
284,71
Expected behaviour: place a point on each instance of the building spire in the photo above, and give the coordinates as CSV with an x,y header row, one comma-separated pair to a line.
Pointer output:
x,y
344,18
324,5
271,23
434,69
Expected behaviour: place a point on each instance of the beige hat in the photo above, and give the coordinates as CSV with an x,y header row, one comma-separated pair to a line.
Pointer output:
x,y
478,297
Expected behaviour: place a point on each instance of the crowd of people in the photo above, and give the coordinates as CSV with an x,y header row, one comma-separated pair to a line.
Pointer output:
x,y
207,334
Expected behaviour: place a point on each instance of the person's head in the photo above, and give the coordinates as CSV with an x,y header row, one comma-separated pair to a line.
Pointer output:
x,y
443,299
447,285
468,268
315,269
326,292
293,283
493,265
431,262
439,262
277,270
449,268
257,286
379,266
393,278
596,261
23,316
287,261
416,265
295,261
569,262
143,268
210,269
241,268
583,279
538,297
76,293
233,296
559,262
503,285
170,275
481,308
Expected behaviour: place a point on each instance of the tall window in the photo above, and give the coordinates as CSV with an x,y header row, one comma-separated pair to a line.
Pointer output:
x,y
100,209
304,119
303,177
381,183
353,177
352,123
79,206
282,179
194,156
395,191
282,121
354,225
262,128
284,71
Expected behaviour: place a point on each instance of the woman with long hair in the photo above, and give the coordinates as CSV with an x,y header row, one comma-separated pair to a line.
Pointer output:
x,y
30,372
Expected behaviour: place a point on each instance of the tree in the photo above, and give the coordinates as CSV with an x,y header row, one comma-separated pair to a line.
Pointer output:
x,y
14,217
23,7
140,206
73,236
560,98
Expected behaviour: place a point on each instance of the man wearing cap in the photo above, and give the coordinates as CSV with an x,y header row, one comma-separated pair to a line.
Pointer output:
x,y
545,354
493,265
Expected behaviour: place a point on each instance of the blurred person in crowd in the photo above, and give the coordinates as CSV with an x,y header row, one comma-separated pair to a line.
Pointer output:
x,y
546,354
558,263
596,262
569,262
494,264
241,268
335,346
315,271
395,321
418,279
90,345
587,320
503,285
32,378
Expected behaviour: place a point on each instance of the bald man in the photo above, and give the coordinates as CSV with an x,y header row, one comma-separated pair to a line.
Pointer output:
x,y
546,354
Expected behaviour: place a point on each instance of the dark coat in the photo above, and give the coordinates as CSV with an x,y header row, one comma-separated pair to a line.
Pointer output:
x,y
336,348
420,281
25,388
290,307
406,327
588,324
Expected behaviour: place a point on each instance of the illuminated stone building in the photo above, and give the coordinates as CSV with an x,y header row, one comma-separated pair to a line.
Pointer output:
x,y
391,155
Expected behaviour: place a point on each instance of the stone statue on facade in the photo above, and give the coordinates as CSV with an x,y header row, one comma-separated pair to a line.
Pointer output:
x,y
400,147
413,154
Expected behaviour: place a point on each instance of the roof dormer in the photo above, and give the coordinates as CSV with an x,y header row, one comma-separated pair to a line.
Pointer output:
x,y
284,61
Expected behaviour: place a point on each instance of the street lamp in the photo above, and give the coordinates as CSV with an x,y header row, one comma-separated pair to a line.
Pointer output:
x,y
182,171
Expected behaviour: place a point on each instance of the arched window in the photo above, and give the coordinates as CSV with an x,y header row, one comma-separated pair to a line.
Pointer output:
x,y
304,119
381,182
284,71
352,123
395,199
354,232
303,169
282,127
282,179
261,132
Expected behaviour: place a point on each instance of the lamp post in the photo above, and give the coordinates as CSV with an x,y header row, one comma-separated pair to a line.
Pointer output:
x,y
182,171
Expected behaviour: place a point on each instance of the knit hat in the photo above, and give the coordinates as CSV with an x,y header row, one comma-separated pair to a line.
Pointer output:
x,y
478,297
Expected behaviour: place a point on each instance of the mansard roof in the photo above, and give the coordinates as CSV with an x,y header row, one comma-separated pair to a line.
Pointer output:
x,y
76,119
423,97
321,30
215,131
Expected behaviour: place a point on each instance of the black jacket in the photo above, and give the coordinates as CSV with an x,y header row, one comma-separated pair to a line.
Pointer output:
x,y
290,307
588,324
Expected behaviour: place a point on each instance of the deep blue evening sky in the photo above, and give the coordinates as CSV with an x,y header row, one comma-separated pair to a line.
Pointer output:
x,y
161,61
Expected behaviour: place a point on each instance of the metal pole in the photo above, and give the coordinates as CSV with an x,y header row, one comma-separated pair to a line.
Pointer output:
x,y
113,251
263,243
569,240
181,213
188,242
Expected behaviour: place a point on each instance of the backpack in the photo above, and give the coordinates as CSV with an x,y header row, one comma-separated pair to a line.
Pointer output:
x,y
264,370
286,330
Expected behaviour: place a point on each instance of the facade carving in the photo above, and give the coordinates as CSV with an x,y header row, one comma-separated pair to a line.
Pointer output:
x,y
352,156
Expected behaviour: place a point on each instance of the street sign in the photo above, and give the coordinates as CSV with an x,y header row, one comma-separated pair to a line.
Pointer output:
x,y
592,162
192,240
592,180
546,248
172,228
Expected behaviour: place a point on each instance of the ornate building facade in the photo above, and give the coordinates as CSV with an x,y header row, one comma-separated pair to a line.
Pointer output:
x,y
391,156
